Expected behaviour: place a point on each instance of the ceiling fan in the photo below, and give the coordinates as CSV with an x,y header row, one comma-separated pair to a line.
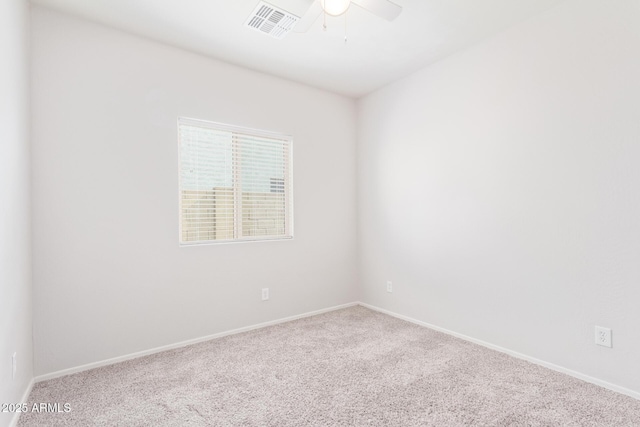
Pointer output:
x,y
382,8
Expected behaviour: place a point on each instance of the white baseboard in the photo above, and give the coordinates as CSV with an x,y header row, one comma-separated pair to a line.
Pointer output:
x,y
25,398
575,374
118,359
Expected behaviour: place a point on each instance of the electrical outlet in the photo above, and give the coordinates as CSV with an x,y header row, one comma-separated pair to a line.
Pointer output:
x,y
265,294
13,365
603,336
389,286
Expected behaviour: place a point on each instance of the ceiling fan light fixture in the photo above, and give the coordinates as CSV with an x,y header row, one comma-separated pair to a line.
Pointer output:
x,y
335,7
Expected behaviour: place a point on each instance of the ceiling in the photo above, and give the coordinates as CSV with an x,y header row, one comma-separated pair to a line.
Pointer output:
x,y
377,51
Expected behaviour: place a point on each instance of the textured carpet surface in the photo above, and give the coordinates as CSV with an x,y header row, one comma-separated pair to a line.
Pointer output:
x,y
352,367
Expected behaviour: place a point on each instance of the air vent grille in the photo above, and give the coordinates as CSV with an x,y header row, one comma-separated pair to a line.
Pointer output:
x,y
270,20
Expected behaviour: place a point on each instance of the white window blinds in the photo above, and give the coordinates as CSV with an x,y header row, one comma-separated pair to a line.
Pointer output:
x,y
235,183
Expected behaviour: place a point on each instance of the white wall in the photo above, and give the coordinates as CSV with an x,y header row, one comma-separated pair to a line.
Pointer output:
x,y
15,228
109,277
499,190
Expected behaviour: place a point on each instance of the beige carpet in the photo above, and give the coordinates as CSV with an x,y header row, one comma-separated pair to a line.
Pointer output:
x,y
352,367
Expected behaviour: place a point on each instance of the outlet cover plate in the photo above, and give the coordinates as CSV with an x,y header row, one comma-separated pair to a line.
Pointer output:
x,y
265,294
389,286
603,336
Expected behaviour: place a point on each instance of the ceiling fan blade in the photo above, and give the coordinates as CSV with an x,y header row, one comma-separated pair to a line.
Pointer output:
x,y
383,8
303,25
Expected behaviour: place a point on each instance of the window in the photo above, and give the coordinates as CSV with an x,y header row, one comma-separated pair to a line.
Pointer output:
x,y
235,183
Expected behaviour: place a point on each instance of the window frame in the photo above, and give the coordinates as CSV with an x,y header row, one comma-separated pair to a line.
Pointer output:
x,y
237,188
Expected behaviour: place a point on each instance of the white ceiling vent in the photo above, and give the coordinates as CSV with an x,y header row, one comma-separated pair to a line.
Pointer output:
x,y
271,20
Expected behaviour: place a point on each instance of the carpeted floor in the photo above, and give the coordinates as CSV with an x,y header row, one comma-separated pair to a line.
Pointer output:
x,y
352,367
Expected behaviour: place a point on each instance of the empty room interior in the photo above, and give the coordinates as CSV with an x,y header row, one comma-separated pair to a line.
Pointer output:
x,y
320,213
